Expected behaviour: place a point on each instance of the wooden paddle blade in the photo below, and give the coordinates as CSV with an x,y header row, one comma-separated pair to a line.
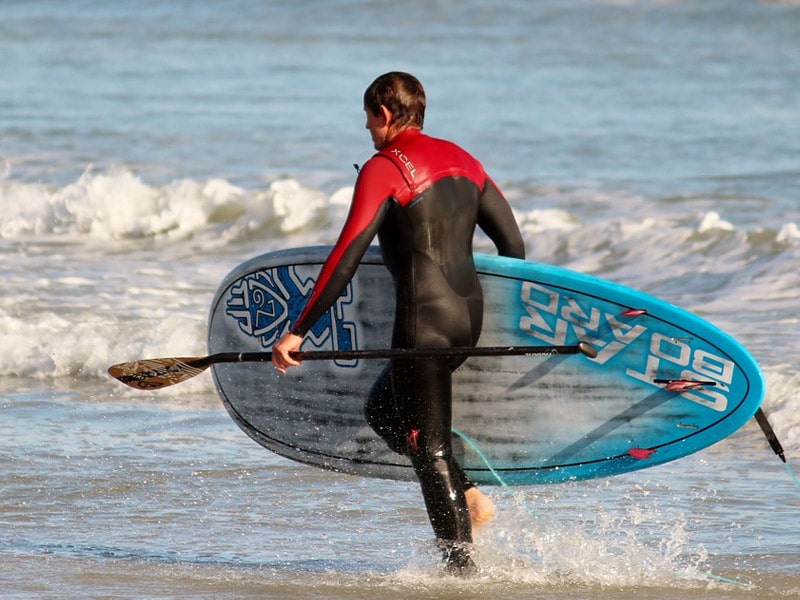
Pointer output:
x,y
155,373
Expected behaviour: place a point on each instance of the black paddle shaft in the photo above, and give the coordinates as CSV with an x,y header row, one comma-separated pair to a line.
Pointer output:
x,y
394,353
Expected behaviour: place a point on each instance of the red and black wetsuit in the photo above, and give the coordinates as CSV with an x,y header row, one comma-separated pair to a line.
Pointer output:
x,y
423,198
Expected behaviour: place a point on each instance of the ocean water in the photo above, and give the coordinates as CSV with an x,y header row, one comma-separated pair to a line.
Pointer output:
x,y
148,148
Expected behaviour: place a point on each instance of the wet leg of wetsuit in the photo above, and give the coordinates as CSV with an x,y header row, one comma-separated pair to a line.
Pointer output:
x,y
382,415
422,392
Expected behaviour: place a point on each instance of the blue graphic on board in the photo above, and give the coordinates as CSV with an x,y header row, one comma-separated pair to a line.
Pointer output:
x,y
650,354
266,302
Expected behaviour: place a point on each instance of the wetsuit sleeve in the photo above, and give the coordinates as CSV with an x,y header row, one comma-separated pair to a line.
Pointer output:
x,y
374,188
496,219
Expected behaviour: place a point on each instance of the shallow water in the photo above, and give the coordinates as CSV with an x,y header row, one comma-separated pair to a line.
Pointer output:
x,y
116,499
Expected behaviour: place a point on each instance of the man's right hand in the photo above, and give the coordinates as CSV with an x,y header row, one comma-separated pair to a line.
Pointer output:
x,y
280,352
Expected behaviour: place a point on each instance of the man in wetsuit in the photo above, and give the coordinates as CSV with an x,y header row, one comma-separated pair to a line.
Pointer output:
x,y
423,198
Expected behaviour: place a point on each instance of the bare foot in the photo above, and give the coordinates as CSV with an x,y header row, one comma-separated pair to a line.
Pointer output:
x,y
481,508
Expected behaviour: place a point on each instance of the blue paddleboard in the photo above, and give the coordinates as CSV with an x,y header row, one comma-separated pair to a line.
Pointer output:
x,y
664,384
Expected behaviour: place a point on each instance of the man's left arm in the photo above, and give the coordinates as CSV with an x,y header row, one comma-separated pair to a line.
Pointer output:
x,y
496,219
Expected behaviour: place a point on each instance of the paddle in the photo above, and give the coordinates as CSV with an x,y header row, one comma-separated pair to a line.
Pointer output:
x,y
154,373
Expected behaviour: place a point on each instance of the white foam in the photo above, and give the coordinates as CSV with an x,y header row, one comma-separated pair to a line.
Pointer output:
x,y
712,220
788,233
540,220
587,534
51,347
782,407
293,205
119,205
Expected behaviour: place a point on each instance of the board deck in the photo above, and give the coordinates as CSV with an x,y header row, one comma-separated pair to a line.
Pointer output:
x,y
665,383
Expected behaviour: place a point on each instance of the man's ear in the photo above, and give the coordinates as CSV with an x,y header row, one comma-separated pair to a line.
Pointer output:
x,y
386,116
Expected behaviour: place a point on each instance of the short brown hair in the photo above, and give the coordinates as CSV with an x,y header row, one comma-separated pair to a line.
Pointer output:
x,y
402,94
